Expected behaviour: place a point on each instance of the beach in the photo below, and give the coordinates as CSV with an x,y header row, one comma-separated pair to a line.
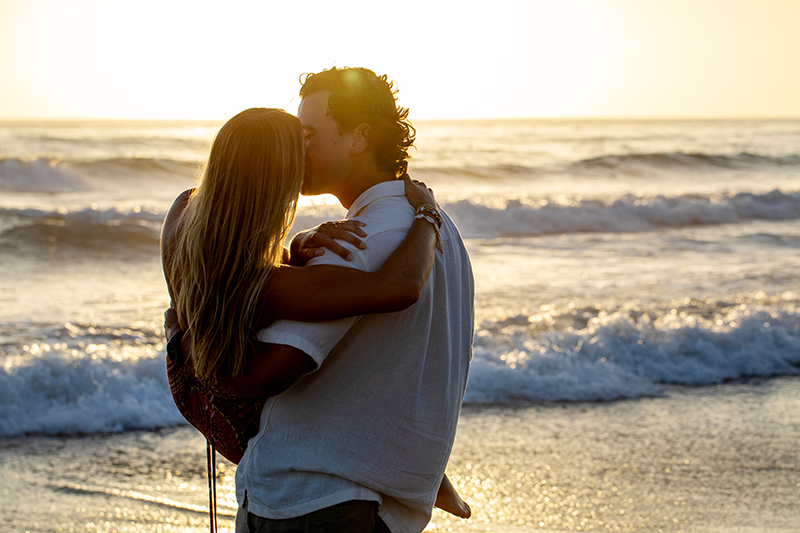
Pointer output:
x,y
712,459
637,337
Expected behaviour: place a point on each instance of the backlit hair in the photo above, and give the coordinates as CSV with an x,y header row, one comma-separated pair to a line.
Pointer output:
x,y
233,229
359,96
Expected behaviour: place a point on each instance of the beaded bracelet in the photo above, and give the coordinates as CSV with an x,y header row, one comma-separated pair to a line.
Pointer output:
x,y
433,211
439,244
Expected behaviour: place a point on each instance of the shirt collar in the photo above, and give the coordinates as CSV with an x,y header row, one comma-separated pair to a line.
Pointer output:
x,y
384,189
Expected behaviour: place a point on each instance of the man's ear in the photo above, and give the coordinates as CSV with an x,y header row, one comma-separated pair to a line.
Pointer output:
x,y
360,138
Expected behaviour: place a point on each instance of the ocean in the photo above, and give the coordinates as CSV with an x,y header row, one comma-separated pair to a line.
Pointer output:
x,y
637,340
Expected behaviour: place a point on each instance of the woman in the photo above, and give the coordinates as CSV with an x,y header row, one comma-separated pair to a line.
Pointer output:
x,y
222,252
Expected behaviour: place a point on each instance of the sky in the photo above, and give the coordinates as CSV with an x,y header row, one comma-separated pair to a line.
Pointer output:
x,y
450,59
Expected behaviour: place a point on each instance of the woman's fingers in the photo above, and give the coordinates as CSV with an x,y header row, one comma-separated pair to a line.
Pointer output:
x,y
342,227
328,233
343,230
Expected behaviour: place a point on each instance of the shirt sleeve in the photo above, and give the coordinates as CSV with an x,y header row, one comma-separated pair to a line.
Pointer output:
x,y
316,339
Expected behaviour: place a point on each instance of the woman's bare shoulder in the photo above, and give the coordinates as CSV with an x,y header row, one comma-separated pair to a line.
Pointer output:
x,y
173,216
169,231
178,206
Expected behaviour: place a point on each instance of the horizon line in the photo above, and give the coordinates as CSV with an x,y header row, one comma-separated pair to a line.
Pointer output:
x,y
423,119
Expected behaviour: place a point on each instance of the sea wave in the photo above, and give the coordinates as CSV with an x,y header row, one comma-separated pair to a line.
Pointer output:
x,y
637,163
595,354
527,216
39,175
504,216
64,175
125,229
133,166
133,230
84,378
631,165
49,175
488,217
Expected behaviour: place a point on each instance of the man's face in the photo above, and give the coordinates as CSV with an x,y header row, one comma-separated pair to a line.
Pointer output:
x,y
327,152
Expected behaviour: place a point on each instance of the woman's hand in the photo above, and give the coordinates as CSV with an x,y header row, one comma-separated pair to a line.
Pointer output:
x,y
171,325
418,193
309,244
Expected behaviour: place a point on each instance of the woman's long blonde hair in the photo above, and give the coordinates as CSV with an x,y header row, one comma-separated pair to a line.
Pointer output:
x,y
232,235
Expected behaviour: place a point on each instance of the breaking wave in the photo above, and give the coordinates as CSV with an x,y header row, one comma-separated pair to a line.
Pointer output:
x,y
97,229
528,216
595,354
48,175
39,175
85,378
627,163
134,230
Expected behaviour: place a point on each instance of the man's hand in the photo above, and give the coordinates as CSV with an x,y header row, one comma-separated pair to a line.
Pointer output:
x,y
309,244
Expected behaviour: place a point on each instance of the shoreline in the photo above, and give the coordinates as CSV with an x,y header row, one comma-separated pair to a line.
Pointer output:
x,y
704,459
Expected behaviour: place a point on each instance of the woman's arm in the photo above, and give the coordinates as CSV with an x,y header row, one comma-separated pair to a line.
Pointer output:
x,y
321,293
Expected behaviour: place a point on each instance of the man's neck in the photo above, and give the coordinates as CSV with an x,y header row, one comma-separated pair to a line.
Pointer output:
x,y
356,186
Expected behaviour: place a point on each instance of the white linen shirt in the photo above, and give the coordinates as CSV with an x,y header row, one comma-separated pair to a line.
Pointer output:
x,y
377,420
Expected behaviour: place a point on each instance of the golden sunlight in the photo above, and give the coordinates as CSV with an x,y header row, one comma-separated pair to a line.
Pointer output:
x,y
91,58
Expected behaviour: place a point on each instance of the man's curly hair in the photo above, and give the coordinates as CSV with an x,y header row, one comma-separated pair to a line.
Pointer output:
x,y
359,96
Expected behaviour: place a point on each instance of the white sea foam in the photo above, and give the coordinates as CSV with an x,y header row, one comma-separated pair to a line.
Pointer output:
x,y
51,389
484,217
100,380
507,216
131,230
489,217
629,353
521,216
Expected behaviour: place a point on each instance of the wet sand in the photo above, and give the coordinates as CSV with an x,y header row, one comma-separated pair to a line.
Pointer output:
x,y
723,458
713,459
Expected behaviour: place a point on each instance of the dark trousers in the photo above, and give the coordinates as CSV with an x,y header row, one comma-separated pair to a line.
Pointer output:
x,y
355,516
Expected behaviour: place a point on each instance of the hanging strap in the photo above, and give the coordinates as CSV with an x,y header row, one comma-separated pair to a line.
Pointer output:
x,y
211,464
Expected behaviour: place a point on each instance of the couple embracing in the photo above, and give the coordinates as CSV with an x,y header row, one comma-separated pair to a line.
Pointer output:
x,y
360,335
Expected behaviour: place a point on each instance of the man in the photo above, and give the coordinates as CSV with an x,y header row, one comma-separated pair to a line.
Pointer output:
x,y
361,443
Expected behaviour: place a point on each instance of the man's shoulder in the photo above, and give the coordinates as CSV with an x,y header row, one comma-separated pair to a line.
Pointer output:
x,y
387,221
386,214
387,205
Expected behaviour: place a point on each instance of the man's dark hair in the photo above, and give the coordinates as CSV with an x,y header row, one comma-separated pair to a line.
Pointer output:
x,y
359,96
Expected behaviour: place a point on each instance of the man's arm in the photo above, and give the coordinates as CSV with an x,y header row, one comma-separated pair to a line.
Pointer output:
x,y
270,370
